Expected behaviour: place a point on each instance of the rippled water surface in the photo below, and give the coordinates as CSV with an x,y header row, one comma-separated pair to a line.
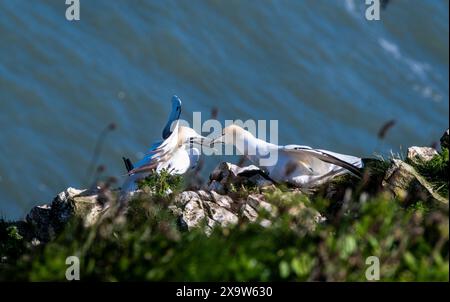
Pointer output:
x,y
329,76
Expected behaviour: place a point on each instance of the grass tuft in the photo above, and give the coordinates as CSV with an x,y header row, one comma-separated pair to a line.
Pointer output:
x,y
435,171
161,183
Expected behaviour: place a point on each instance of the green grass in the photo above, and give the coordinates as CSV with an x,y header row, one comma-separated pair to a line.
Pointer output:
x,y
162,183
12,243
435,171
411,240
411,243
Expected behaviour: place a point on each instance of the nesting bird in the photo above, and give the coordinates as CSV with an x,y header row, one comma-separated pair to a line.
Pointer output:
x,y
301,166
176,153
298,165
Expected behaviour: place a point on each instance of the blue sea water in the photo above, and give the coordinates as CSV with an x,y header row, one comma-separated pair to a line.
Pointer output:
x,y
330,77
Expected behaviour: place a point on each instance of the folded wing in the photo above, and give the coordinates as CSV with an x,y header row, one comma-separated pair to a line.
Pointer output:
x,y
309,157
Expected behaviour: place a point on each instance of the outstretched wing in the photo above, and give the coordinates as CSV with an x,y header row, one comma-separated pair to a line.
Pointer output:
x,y
159,153
351,163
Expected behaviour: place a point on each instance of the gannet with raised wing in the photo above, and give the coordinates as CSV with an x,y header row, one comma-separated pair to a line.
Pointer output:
x,y
176,154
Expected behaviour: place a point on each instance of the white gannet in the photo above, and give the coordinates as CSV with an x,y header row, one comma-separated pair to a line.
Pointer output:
x,y
176,153
301,166
174,116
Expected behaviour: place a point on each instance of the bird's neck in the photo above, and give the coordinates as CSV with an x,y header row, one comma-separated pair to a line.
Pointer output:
x,y
253,148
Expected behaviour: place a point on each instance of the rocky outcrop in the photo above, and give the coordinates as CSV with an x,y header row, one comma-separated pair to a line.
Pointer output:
x,y
232,195
47,220
210,209
421,154
406,183
193,209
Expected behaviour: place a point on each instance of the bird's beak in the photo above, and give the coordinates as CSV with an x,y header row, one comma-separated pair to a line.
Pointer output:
x,y
218,140
203,141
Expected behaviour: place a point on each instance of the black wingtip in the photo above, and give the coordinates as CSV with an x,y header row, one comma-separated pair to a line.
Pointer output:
x,y
128,164
358,172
